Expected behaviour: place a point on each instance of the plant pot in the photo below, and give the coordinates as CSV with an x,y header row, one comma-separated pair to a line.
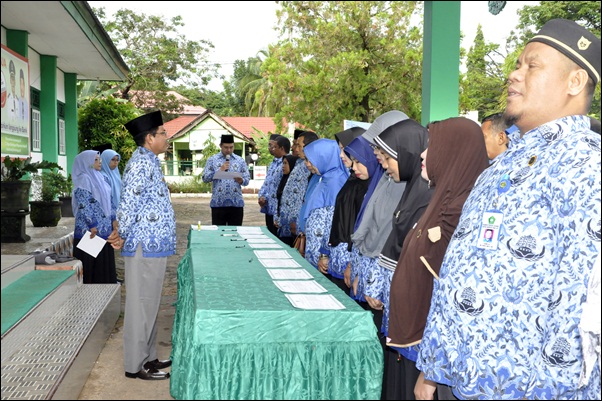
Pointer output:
x,y
45,214
15,196
66,209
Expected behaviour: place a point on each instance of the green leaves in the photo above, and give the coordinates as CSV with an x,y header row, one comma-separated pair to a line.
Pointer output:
x,y
14,169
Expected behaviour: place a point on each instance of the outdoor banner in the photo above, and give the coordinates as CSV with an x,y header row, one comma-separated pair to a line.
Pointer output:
x,y
15,104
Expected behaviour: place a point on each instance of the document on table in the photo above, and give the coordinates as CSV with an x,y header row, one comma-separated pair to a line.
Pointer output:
x,y
195,227
289,274
264,246
273,255
314,301
225,175
91,246
249,230
265,240
253,236
300,287
279,263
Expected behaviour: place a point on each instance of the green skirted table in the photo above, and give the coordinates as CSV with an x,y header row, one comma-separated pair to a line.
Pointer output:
x,y
236,335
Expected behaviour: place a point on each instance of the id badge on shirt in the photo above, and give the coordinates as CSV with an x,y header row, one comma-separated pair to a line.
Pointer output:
x,y
489,233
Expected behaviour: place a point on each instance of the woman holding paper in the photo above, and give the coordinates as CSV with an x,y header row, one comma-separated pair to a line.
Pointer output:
x,y
94,214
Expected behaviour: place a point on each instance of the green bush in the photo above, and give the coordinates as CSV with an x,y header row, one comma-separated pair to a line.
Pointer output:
x,y
190,186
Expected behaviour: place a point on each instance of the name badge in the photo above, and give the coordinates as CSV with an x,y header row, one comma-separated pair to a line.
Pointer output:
x,y
490,230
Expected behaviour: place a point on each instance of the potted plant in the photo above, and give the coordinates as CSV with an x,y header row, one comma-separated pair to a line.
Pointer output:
x,y
15,189
46,208
65,196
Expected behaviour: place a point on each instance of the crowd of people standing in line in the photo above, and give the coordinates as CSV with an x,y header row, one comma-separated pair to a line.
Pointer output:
x,y
473,246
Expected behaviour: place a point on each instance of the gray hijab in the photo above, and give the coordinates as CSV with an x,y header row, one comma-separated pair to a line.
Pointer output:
x,y
375,225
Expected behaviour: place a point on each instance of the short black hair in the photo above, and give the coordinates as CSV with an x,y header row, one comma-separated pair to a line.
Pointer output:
x,y
283,142
498,122
309,137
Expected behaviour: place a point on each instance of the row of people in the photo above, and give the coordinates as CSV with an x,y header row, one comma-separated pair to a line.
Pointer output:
x,y
473,246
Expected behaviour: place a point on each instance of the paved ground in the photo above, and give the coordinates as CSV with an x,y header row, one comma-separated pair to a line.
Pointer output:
x,y
107,380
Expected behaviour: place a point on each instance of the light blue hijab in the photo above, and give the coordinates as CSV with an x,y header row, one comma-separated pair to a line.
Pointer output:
x,y
113,175
86,177
324,155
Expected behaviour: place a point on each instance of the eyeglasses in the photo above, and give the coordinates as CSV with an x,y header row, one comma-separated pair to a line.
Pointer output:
x,y
374,147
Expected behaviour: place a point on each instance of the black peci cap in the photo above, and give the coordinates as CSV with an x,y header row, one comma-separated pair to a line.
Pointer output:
x,y
144,123
227,139
575,42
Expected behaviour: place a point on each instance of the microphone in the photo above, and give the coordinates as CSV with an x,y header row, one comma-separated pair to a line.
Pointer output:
x,y
227,160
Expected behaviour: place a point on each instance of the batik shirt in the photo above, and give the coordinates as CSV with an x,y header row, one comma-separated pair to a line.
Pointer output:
x,y
145,213
226,193
90,215
317,232
292,198
504,323
270,186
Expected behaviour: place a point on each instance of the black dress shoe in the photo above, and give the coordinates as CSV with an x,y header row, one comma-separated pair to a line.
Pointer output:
x,y
157,364
148,374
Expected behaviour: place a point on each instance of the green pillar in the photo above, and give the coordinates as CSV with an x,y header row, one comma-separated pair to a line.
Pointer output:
x,y
71,128
441,60
18,41
48,108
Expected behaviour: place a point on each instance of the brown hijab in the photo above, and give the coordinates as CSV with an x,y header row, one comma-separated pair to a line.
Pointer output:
x,y
456,157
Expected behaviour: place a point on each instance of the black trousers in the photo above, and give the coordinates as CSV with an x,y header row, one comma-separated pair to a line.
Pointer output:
x,y
227,216
269,222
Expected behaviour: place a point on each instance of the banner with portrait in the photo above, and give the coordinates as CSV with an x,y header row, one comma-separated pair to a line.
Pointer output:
x,y
15,104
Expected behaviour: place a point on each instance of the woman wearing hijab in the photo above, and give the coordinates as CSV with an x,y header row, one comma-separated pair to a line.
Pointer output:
x,y
280,219
403,164
110,161
456,157
322,159
373,223
347,205
94,212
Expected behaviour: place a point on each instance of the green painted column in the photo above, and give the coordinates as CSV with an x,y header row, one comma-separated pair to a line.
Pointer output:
x,y
18,41
48,108
441,60
71,129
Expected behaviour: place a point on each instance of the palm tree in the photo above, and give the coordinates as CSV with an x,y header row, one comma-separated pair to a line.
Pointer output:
x,y
255,88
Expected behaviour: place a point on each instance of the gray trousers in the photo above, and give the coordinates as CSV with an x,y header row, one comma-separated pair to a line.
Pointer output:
x,y
144,284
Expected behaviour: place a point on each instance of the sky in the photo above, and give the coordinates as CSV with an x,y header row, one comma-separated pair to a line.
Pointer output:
x,y
239,30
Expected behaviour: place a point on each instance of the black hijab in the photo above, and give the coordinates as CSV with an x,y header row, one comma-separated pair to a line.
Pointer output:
x,y
405,146
350,197
292,160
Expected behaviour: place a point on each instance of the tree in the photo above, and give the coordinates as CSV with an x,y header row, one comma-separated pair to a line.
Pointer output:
x,y
345,60
254,88
532,18
102,121
485,79
158,56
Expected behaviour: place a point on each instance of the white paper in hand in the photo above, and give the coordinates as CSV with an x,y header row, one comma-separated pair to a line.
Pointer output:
x,y
91,246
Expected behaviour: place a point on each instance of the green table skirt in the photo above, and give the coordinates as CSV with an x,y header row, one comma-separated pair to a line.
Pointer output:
x,y
236,336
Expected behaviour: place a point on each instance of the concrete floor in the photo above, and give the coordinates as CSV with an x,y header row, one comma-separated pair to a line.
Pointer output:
x,y
107,380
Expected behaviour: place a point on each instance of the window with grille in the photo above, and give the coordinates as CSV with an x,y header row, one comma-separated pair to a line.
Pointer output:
x,y
62,147
36,140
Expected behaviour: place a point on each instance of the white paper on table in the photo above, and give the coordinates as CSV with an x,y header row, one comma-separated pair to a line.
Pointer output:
x,y
273,255
289,274
195,227
264,246
249,230
225,175
91,246
314,301
279,263
300,287
253,236
265,240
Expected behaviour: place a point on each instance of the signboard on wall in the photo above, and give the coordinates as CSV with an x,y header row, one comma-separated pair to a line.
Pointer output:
x,y
15,104
260,172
